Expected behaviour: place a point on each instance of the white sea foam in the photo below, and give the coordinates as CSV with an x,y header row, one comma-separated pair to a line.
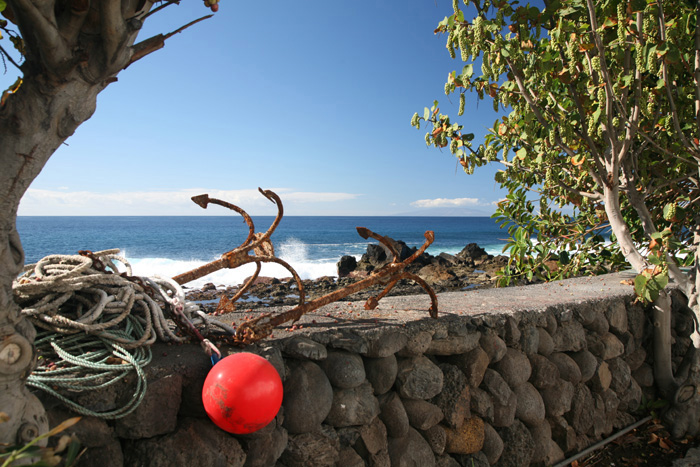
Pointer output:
x,y
294,252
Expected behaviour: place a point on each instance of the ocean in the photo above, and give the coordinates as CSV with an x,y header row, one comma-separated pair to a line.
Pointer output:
x,y
167,246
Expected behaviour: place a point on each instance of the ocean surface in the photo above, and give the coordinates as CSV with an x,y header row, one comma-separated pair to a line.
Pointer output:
x,y
168,246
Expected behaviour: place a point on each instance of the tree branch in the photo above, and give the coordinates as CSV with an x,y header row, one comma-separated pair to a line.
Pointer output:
x,y
40,34
9,58
670,85
72,20
696,74
154,43
113,28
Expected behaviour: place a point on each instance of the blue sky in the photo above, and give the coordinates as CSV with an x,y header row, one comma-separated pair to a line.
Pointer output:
x,y
311,99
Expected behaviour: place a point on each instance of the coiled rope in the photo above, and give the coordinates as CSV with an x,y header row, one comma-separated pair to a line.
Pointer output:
x,y
97,324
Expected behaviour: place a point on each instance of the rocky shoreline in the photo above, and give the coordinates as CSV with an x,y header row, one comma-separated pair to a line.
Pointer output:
x,y
471,268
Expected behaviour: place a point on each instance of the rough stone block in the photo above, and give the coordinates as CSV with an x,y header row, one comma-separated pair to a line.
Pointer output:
x,y
373,437
631,397
529,340
436,438
563,434
412,449
512,331
530,407
348,457
418,378
541,437
580,417
355,406
545,374
621,374
308,396
381,373
107,455
384,341
416,344
157,413
454,344
568,369
570,337
601,378
504,414
644,375
497,387
493,444
345,340
445,460
393,415
493,345
481,404
599,325
587,364
194,442
617,317
303,347
317,449
545,342
612,346
344,369
636,319
467,439
264,451
557,399
90,431
514,367
454,399
518,446
422,415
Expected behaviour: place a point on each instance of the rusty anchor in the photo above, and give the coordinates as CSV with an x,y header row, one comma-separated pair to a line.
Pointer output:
x,y
260,245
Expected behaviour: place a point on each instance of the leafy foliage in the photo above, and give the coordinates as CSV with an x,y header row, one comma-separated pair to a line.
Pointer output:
x,y
66,452
599,135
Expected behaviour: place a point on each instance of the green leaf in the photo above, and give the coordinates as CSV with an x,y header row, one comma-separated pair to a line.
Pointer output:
x,y
655,260
468,70
3,5
521,153
426,113
640,283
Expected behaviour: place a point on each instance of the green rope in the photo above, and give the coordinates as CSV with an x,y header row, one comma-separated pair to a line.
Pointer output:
x,y
84,363
98,325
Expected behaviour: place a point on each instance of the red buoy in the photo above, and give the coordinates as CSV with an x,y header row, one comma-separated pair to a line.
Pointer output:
x,y
242,393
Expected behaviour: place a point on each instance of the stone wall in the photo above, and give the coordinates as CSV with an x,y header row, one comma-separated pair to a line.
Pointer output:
x,y
530,382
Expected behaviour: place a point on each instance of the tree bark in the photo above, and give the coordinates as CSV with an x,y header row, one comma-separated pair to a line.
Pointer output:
x,y
34,122
74,49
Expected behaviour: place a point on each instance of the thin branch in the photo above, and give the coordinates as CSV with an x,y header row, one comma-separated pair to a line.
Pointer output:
x,y
694,161
590,195
597,158
669,84
696,74
154,43
113,28
636,199
4,52
50,48
72,20
158,8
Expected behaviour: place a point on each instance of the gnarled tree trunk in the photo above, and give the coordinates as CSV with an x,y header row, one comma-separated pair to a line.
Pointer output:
x,y
73,50
33,123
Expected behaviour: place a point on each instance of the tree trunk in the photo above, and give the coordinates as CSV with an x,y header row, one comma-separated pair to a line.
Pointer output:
x,y
34,122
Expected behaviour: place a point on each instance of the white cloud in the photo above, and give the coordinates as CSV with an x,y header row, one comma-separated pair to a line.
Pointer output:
x,y
448,203
40,202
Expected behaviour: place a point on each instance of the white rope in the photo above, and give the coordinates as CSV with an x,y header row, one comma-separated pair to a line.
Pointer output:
x,y
84,303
